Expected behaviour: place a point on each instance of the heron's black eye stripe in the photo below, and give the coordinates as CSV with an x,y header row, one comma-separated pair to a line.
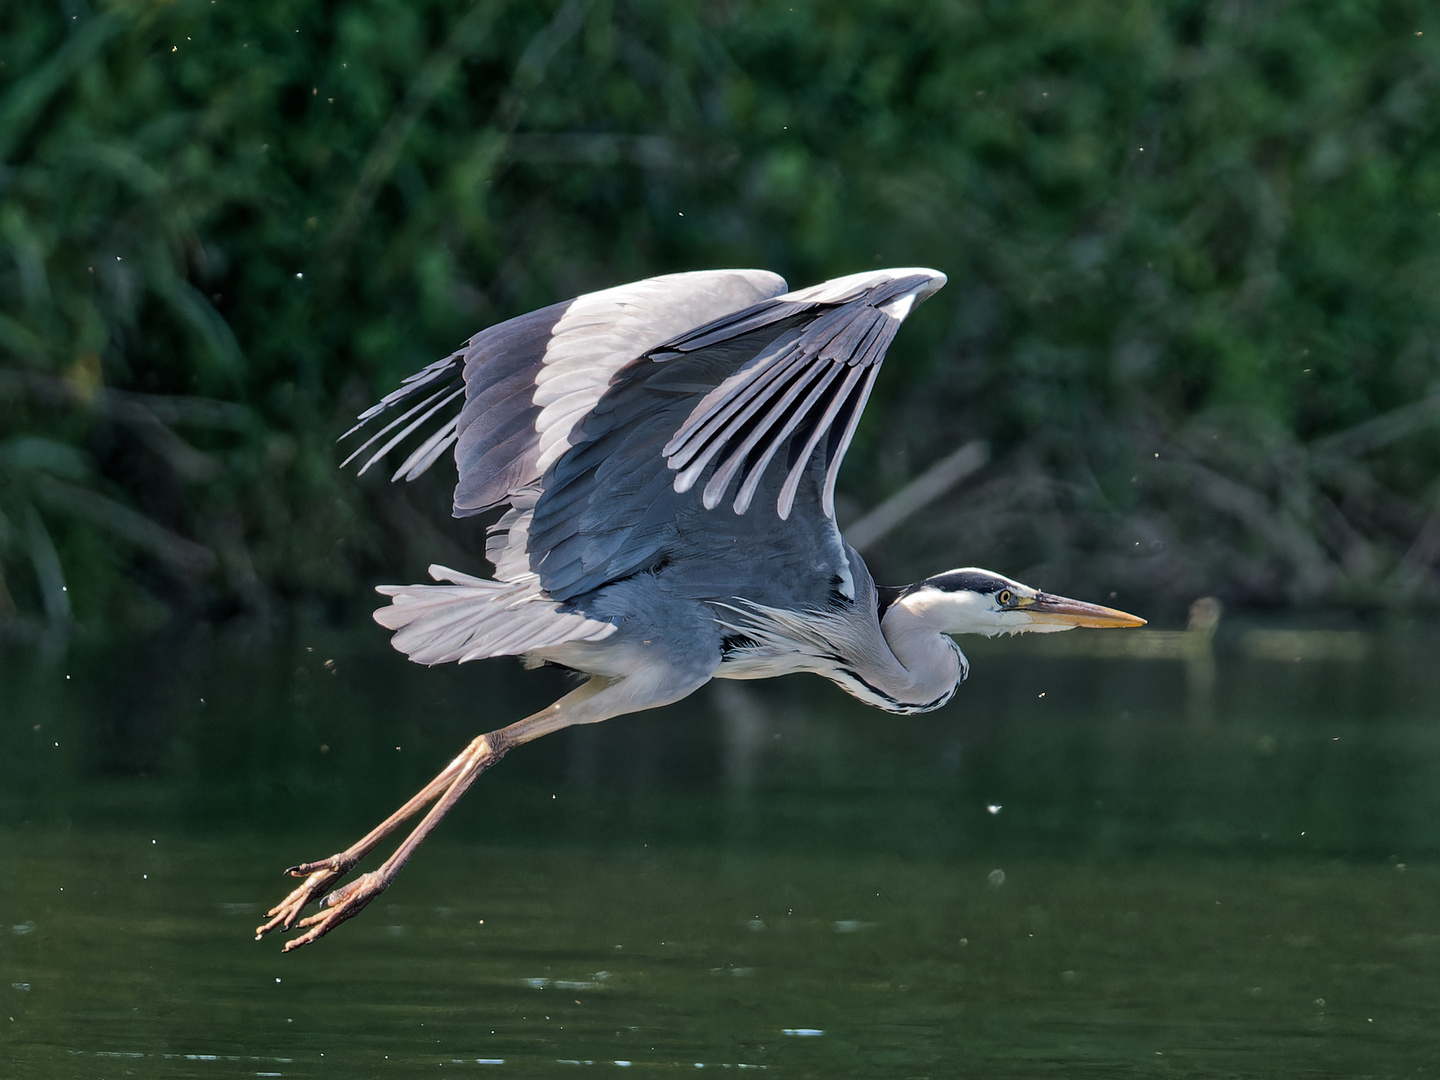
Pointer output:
x,y
963,581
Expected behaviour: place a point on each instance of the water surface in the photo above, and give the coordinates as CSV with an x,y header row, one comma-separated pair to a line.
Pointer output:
x,y
1099,867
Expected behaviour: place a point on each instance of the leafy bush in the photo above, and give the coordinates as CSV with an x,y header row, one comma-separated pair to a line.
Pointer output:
x,y
1192,254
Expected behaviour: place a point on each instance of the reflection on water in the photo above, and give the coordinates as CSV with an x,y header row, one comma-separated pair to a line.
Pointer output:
x,y
1085,864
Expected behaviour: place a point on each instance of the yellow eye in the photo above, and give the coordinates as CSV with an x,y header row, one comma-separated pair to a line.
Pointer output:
x,y
1004,597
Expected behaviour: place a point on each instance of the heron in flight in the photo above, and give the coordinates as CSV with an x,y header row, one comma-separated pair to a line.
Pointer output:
x,y
666,455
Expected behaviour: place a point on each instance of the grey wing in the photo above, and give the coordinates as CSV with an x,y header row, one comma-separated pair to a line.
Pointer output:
x,y
528,383
764,401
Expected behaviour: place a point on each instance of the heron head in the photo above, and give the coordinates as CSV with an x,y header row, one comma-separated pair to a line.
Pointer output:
x,y
975,601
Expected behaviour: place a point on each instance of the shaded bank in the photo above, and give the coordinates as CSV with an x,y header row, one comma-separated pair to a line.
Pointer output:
x,y
1192,315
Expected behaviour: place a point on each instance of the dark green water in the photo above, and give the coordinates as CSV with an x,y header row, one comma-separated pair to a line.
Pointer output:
x,y
1081,867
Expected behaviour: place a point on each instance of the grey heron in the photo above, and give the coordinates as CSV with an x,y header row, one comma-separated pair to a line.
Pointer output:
x,y
665,453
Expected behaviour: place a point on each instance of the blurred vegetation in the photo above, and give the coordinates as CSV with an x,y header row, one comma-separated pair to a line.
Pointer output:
x,y
1193,248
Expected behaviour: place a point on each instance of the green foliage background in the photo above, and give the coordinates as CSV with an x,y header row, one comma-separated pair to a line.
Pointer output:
x,y
1193,249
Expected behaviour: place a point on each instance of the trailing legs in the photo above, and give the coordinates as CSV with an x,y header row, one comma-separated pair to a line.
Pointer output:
x,y
576,707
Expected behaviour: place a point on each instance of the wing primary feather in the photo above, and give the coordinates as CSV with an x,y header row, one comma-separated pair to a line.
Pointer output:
x,y
425,409
697,432
718,435
792,481
874,341
724,425
828,374
410,386
715,489
444,399
837,455
379,434
835,339
428,452
749,380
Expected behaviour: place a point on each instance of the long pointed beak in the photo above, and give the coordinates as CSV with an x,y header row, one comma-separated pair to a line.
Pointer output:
x,y
1062,612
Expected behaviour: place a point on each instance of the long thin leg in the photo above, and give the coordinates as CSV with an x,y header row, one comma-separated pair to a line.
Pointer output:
x,y
319,875
598,699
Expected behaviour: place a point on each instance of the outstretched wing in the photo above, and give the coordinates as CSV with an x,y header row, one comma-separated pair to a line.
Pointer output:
x,y
763,400
605,421
528,383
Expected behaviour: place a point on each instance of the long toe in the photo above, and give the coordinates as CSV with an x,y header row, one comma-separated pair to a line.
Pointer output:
x,y
344,903
321,875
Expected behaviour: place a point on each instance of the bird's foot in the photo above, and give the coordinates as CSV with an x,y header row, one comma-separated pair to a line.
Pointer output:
x,y
318,877
344,903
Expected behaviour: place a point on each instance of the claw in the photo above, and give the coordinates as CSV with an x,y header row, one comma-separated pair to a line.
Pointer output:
x,y
318,877
344,903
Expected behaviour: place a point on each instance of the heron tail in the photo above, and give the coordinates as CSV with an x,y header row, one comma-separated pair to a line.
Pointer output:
x,y
468,618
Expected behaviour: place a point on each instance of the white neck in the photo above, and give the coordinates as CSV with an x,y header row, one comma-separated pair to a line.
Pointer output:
x,y
931,664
